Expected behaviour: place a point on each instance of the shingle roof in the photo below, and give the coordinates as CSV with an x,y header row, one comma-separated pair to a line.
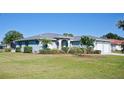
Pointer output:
x,y
51,36
54,36
77,38
118,42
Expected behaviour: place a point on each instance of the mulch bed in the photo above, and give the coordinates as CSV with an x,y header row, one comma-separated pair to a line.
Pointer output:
x,y
91,55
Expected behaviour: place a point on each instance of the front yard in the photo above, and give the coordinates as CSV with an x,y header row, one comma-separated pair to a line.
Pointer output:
x,y
19,65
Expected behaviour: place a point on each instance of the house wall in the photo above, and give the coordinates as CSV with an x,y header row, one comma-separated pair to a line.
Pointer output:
x,y
32,43
103,46
53,45
75,44
116,47
36,47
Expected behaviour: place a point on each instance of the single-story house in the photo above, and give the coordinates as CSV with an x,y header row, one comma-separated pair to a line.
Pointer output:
x,y
116,44
2,46
59,41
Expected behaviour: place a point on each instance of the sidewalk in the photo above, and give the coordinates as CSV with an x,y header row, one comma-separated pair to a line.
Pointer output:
x,y
116,54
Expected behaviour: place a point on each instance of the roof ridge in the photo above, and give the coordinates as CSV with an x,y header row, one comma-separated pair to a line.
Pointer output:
x,y
50,33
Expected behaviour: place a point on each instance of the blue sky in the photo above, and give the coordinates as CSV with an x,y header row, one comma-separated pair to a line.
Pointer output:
x,y
79,24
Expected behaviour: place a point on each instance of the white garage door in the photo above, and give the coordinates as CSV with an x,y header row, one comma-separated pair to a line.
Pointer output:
x,y
106,48
99,46
103,46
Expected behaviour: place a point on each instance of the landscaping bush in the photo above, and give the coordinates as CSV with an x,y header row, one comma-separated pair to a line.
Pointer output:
x,y
84,50
97,51
18,49
65,49
45,51
50,51
56,51
90,50
75,50
27,49
7,49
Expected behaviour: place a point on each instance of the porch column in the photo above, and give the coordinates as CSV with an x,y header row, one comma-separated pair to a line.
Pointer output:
x,y
69,44
60,44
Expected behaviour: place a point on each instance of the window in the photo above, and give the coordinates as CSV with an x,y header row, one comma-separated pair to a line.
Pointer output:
x,y
33,42
75,42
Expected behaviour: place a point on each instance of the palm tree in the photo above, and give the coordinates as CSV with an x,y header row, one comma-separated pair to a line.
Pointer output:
x,y
45,43
88,42
120,24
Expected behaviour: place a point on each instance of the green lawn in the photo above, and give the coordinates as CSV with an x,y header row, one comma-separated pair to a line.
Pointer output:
x,y
18,65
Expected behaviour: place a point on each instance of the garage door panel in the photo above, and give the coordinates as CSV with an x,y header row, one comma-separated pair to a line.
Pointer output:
x,y
104,47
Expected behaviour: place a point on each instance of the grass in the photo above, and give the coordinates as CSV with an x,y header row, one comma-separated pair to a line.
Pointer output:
x,y
38,66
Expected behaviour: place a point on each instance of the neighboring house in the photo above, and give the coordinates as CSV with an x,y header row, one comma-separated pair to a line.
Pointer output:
x,y
2,46
59,41
116,44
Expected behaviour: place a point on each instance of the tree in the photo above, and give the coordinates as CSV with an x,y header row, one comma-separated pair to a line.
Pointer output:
x,y
87,41
68,34
122,48
112,36
45,43
12,36
120,24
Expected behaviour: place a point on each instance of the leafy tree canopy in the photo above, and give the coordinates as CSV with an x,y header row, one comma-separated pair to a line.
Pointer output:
x,y
120,24
68,34
11,36
87,41
112,36
45,43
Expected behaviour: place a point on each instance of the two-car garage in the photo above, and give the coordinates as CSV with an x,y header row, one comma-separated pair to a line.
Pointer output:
x,y
104,46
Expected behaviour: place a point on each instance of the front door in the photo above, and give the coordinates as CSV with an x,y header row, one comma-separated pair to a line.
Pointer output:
x,y
64,43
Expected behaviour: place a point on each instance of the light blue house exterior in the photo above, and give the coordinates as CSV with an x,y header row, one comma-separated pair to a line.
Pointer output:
x,y
59,41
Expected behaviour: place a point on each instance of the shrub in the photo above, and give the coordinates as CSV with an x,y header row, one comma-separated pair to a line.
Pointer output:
x,y
7,49
56,51
65,49
75,50
84,50
18,49
117,51
27,49
61,52
45,51
90,50
97,51
50,51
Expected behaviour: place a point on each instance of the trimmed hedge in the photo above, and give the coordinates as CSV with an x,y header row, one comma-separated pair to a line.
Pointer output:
x,y
44,51
27,49
65,49
97,51
18,49
56,51
50,51
7,49
75,50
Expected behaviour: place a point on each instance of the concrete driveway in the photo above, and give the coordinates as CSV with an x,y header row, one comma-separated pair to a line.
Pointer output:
x,y
116,54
